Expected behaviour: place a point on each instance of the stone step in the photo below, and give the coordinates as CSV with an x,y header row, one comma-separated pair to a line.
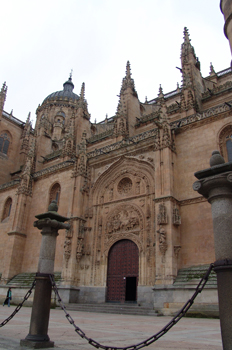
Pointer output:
x,y
126,309
193,275
26,279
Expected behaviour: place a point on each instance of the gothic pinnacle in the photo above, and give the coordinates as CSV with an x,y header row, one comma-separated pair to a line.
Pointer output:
x,y
4,87
128,71
160,91
186,35
212,71
82,94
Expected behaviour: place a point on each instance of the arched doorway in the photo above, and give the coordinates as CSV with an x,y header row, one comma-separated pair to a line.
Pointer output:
x,y
123,272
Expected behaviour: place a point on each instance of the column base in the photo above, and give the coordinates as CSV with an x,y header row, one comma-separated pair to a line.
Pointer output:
x,y
33,344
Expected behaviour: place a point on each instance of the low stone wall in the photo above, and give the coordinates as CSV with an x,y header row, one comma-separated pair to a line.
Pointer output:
x,y
169,299
18,294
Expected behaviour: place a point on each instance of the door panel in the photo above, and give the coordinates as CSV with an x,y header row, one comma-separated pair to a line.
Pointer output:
x,y
123,262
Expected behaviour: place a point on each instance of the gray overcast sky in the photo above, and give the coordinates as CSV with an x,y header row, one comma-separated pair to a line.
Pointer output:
x,y
41,41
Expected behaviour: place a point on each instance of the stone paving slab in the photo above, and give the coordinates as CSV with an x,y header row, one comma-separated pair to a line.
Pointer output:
x,y
113,330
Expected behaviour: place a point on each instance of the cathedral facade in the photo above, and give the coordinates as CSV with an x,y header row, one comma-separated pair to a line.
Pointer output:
x,y
125,183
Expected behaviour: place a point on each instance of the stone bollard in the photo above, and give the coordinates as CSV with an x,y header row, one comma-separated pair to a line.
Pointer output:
x,y
49,223
215,184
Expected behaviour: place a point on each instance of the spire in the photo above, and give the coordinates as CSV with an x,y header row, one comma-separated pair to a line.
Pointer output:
x,y
186,48
128,82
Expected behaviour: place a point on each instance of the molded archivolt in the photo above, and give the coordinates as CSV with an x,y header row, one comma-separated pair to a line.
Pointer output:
x,y
117,238
125,167
124,218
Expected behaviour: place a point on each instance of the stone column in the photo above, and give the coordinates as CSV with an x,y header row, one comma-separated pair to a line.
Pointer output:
x,y
49,223
215,184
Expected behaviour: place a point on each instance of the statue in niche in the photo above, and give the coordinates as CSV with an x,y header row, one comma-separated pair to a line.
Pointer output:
x,y
162,242
162,218
125,186
137,187
176,217
111,193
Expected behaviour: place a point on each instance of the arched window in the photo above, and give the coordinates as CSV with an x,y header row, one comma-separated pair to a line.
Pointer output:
x,y
7,208
225,143
4,142
55,193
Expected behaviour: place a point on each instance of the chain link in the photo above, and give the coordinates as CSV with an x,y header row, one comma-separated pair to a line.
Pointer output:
x,y
148,341
18,307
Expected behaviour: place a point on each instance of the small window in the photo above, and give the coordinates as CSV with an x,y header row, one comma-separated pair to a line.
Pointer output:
x,y
55,193
4,142
7,208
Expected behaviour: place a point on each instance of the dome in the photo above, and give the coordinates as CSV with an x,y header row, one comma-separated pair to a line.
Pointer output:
x,y
67,92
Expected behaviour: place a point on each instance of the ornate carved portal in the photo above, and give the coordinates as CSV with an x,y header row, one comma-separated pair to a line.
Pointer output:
x,y
123,272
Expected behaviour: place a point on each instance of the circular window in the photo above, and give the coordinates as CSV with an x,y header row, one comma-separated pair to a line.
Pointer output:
x,y
125,186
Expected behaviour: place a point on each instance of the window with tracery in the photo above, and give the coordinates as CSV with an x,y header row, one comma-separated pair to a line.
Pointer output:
x,y
55,193
7,208
4,142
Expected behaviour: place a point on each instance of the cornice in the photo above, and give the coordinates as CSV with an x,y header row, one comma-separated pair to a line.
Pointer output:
x,y
7,185
196,120
53,169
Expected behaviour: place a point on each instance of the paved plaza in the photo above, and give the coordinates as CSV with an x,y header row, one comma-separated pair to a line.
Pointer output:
x,y
113,330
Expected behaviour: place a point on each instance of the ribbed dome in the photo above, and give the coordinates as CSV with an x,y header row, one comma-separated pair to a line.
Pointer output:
x,y
67,92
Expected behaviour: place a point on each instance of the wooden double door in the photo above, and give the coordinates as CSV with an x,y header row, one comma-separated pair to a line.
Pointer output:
x,y
123,272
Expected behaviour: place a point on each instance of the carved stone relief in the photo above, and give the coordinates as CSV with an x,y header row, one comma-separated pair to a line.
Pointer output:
x,y
124,219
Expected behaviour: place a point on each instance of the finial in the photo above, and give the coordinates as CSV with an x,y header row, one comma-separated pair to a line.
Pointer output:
x,y
28,117
70,76
11,113
216,159
145,99
160,91
4,87
186,35
212,71
53,206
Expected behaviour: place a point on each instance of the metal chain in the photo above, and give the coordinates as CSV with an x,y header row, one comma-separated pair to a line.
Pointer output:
x,y
19,306
148,341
